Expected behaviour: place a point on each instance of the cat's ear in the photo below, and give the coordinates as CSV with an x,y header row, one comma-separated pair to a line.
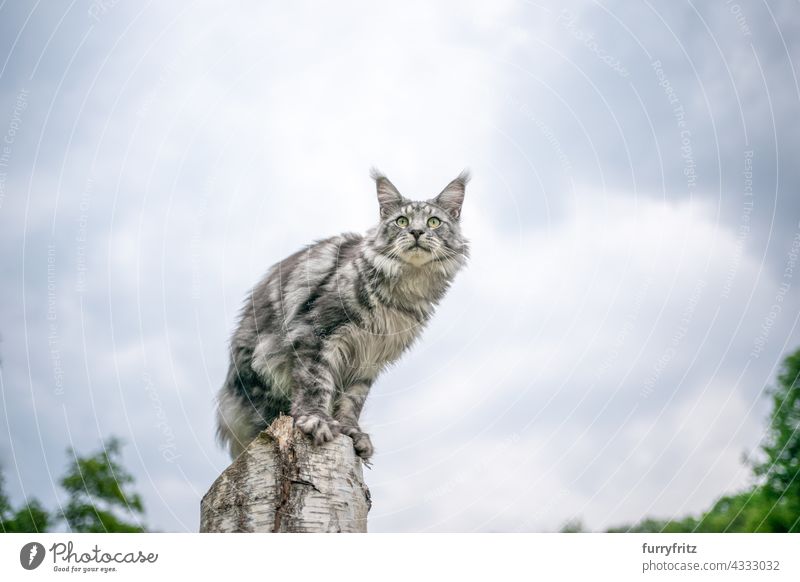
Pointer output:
x,y
452,197
388,196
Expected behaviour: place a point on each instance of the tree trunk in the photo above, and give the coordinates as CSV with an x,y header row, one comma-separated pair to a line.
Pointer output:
x,y
283,483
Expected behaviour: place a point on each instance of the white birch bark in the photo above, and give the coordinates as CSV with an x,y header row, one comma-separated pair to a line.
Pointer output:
x,y
283,483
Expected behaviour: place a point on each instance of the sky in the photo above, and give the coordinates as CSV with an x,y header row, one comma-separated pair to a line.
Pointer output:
x,y
634,220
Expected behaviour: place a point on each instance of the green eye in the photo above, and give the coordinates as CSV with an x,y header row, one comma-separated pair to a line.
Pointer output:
x,y
401,221
434,222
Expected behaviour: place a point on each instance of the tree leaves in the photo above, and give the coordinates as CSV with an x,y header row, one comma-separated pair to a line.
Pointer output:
x,y
98,490
772,504
99,493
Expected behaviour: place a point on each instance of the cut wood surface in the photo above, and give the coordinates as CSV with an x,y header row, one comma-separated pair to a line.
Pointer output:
x,y
283,483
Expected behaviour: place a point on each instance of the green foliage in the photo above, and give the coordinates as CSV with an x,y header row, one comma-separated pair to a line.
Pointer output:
x,y
780,468
572,526
650,525
28,518
772,504
98,489
5,506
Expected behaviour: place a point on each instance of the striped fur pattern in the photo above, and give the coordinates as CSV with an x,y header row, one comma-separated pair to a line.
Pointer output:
x,y
320,327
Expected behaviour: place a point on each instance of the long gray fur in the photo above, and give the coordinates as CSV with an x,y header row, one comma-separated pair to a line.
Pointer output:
x,y
317,331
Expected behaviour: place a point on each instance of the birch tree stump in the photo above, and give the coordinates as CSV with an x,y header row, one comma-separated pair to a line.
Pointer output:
x,y
283,483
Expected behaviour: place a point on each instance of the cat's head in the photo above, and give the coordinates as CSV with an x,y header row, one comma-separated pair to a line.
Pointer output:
x,y
421,232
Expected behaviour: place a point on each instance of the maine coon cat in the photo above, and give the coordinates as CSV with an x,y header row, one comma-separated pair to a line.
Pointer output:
x,y
317,331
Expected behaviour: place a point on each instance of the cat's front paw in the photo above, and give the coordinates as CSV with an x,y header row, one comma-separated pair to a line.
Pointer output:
x,y
321,428
363,445
361,441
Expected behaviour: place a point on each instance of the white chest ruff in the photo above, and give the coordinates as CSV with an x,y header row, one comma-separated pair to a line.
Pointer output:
x,y
361,351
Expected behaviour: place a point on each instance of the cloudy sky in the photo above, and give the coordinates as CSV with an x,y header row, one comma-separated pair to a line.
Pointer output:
x,y
634,218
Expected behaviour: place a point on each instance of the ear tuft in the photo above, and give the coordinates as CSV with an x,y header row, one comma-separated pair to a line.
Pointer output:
x,y
452,197
388,196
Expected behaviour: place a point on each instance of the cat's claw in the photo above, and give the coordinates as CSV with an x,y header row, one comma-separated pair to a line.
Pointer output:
x,y
361,442
319,428
363,446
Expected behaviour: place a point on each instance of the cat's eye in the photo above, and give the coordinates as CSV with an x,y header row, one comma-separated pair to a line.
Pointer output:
x,y
434,222
401,221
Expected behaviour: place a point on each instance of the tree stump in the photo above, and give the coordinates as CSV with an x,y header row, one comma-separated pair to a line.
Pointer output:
x,y
283,483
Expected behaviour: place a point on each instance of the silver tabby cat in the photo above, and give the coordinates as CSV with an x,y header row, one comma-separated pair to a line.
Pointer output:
x,y
316,332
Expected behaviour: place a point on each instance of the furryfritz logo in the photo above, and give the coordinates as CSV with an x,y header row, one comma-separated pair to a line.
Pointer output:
x,y
31,555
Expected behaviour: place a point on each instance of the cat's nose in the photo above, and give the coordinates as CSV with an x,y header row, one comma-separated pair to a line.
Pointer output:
x,y
417,233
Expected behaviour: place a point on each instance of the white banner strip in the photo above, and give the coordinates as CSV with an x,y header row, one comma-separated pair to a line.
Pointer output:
x,y
400,556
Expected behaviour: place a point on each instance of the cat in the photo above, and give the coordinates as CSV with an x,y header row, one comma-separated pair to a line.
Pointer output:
x,y
322,324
